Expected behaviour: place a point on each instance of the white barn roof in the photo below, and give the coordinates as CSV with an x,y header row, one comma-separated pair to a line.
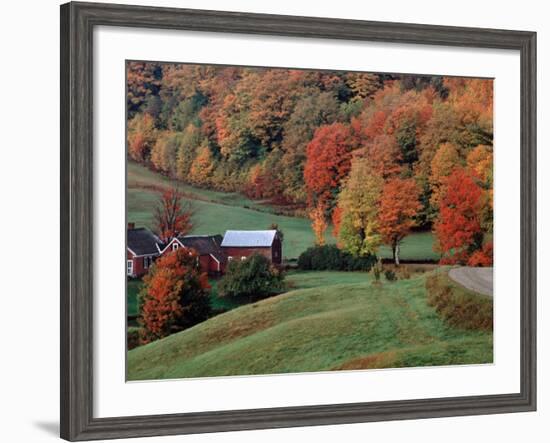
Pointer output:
x,y
248,239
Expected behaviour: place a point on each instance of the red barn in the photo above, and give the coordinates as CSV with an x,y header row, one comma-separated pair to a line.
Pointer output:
x,y
238,245
211,256
142,248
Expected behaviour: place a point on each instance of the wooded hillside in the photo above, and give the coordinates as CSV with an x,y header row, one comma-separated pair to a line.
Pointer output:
x,y
372,154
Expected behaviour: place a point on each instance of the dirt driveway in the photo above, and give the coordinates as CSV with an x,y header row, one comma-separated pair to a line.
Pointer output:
x,y
475,279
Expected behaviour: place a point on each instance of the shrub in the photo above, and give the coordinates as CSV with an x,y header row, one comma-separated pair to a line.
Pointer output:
x,y
458,307
390,275
376,272
403,272
254,277
330,258
174,295
132,335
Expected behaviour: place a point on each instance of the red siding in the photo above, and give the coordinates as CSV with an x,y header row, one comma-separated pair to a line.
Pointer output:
x,y
213,266
204,261
139,268
237,253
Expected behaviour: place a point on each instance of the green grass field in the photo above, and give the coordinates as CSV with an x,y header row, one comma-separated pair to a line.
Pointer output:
x,y
294,280
352,325
141,177
217,212
314,279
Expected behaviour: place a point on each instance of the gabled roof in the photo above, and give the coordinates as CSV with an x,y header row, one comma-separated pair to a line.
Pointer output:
x,y
141,241
249,239
204,245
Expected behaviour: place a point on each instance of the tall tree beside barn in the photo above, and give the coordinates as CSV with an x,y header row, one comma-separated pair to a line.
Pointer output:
x,y
173,215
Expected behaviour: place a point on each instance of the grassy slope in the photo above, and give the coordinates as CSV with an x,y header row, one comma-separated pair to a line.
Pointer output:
x,y
314,279
340,326
219,211
139,176
294,279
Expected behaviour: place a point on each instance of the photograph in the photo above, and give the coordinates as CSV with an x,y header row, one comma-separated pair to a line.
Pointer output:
x,y
284,220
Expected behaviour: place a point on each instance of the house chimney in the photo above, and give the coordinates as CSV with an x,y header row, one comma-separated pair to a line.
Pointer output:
x,y
131,225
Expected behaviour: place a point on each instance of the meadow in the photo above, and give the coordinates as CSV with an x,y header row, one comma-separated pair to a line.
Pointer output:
x,y
217,212
328,322
293,280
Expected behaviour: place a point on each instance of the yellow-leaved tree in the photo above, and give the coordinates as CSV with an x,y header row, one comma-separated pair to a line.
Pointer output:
x,y
203,166
445,160
359,203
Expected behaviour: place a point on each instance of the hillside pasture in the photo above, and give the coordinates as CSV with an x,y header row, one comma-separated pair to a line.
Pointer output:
x,y
351,325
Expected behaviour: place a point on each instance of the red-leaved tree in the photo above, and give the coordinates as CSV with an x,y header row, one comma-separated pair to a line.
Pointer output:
x,y
328,161
483,256
173,215
458,227
399,205
174,295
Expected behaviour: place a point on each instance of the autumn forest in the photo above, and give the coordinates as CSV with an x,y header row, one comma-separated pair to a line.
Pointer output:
x,y
369,156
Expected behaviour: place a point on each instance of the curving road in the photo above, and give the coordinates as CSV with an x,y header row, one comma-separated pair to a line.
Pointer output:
x,y
479,280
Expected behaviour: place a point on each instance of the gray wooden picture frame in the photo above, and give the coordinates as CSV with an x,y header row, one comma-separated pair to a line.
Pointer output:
x,y
77,23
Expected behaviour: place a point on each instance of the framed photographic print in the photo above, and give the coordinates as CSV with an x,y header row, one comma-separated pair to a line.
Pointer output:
x,y
274,221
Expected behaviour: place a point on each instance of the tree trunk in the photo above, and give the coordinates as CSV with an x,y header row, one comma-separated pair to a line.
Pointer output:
x,y
397,254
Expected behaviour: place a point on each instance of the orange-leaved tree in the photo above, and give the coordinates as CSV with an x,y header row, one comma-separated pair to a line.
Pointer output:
x,y
458,226
174,295
319,223
336,221
173,215
142,136
399,204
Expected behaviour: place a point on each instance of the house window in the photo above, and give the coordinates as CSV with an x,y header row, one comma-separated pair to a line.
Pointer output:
x,y
147,262
243,258
129,267
229,258
175,246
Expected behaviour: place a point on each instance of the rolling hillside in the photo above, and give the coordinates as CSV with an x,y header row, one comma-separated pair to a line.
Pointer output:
x,y
219,211
337,326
